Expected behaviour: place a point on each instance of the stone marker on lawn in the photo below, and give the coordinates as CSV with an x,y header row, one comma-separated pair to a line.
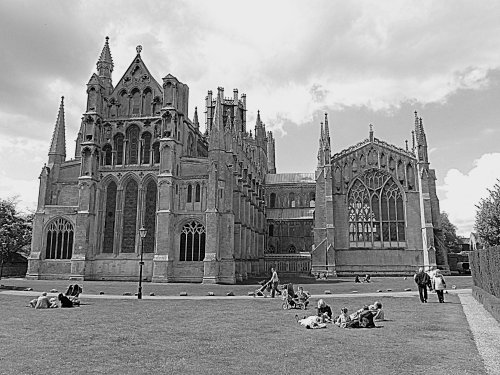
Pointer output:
x,y
183,294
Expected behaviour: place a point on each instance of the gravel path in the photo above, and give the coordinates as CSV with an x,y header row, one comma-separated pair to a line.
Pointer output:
x,y
485,330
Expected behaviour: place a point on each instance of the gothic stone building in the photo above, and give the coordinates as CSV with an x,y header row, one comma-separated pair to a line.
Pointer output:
x,y
213,206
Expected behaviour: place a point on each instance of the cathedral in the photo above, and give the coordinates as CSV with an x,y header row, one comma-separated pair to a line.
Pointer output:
x,y
147,184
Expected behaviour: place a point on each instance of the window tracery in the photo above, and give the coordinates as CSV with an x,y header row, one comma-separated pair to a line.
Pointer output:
x,y
192,242
59,243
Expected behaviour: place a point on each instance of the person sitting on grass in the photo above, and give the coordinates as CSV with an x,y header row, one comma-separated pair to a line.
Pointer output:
x,y
324,312
310,322
356,279
303,297
64,301
343,318
376,309
41,302
367,279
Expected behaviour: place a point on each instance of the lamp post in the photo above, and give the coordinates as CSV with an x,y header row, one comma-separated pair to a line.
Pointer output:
x,y
142,232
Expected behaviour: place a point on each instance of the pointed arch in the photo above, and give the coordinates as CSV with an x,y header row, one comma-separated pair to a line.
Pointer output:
x,y
109,217
189,198
136,101
148,102
150,214
119,148
192,242
133,144
146,148
197,194
291,199
156,152
129,229
376,211
123,100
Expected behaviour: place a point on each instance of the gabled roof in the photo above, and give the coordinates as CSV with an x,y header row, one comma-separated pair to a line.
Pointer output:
x,y
375,141
137,75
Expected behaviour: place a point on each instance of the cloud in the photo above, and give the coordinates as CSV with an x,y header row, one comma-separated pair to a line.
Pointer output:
x,y
461,192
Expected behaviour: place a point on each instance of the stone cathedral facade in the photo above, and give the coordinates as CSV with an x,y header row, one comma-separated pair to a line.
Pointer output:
x,y
214,208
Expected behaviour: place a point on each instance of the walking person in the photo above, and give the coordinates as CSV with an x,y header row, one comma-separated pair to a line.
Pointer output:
x,y
422,280
439,285
274,282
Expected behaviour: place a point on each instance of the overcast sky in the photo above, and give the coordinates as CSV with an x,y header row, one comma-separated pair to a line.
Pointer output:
x,y
361,61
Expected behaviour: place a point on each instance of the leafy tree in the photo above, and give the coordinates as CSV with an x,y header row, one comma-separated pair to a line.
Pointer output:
x,y
15,231
449,230
488,217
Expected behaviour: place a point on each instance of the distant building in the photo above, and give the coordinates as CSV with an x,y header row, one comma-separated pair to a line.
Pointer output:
x,y
213,205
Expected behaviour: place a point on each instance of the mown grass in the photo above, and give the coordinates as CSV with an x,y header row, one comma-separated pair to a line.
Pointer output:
x,y
337,285
252,336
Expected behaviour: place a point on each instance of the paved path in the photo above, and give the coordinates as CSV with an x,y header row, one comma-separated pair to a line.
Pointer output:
x,y
485,330
110,296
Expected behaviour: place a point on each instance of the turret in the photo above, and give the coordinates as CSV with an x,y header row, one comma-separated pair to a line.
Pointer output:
x,y
260,131
421,140
105,67
57,151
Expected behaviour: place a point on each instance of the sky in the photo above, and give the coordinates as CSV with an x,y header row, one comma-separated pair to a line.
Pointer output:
x,y
362,62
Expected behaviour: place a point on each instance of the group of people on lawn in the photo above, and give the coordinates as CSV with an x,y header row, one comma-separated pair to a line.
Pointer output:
x,y
362,318
434,280
69,299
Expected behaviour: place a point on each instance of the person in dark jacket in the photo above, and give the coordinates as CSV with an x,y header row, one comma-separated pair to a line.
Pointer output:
x,y
423,281
324,311
64,301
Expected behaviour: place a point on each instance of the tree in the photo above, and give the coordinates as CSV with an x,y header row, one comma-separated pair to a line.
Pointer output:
x,y
15,231
449,230
487,223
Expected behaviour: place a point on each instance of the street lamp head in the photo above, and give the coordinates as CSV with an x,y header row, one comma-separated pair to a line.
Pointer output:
x,y
143,231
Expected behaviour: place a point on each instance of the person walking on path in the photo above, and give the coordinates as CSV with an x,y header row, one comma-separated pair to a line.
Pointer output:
x,y
439,285
274,282
423,280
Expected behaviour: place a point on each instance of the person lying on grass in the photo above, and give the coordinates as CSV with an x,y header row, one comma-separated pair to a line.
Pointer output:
x,y
324,312
378,313
310,322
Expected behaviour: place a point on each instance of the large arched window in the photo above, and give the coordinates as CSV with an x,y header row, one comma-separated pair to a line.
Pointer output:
x,y
130,217
109,218
192,242
146,149
59,239
150,216
119,148
376,212
108,152
133,144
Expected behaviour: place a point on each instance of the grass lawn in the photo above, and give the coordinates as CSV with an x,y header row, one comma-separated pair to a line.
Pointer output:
x,y
252,336
337,285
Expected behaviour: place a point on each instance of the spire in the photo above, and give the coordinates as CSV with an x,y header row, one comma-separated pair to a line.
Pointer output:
x,y
326,141
217,129
195,118
258,122
105,63
57,151
371,133
327,129
321,149
423,138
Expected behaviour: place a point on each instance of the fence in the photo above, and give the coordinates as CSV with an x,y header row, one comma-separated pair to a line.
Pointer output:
x,y
485,268
299,264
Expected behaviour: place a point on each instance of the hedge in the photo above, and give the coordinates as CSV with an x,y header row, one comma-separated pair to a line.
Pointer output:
x,y
485,269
